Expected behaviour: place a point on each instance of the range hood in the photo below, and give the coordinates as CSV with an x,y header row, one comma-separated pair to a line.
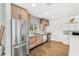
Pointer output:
x,y
73,20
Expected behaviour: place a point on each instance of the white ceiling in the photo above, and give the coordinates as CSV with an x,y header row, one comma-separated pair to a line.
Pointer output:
x,y
54,10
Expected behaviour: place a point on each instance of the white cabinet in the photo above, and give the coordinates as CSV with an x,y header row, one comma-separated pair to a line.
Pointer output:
x,y
72,27
74,46
44,37
66,39
69,27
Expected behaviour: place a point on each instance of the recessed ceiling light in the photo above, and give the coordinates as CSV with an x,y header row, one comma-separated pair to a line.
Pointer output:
x,y
52,17
46,13
33,5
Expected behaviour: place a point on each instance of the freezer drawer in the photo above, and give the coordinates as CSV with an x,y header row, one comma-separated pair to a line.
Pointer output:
x,y
20,50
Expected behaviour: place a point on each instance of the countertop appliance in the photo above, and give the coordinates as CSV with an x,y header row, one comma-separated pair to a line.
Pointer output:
x,y
75,33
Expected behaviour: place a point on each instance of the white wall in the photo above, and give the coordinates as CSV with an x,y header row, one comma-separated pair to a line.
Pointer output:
x,y
8,29
2,22
57,26
1,14
5,20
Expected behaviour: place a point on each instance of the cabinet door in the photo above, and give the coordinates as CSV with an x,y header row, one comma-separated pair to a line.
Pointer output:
x,y
24,14
46,22
32,42
66,39
38,40
13,11
74,46
18,13
44,37
29,17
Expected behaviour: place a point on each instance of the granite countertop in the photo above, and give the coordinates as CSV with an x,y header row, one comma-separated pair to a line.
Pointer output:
x,y
31,35
71,30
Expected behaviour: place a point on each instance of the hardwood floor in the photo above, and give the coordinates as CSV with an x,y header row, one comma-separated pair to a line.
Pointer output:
x,y
50,48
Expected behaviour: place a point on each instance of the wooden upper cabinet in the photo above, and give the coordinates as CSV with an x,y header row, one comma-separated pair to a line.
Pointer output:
x,y
13,11
44,22
24,15
19,13
29,17
47,23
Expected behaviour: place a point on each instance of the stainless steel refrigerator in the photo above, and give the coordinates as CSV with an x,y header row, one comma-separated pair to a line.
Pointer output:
x,y
19,39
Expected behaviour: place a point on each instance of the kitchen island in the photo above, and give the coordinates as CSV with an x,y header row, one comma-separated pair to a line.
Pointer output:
x,y
73,42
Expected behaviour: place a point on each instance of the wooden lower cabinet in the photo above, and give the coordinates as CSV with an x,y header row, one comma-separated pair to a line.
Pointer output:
x,y
34,41
38,40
